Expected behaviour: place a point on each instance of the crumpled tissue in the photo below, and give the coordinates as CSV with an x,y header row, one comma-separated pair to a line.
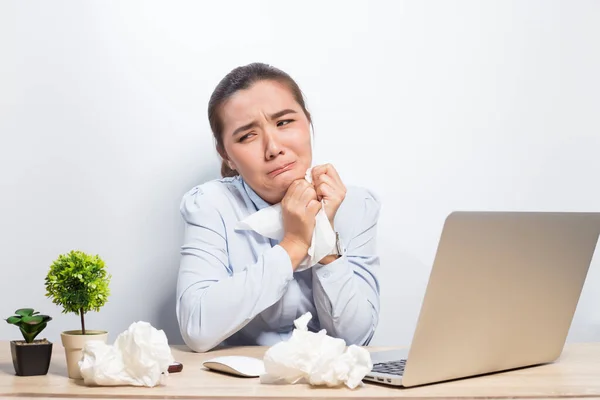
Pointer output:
x,y
268,222
140,357
315,358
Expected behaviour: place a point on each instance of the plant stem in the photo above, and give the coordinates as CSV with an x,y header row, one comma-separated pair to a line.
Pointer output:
x,y
82,321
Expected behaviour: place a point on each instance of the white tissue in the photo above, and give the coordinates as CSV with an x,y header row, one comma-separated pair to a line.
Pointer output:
x,y
315,358
139,357
268,222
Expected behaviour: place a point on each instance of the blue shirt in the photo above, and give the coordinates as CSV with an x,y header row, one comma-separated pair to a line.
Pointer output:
x,y
238,287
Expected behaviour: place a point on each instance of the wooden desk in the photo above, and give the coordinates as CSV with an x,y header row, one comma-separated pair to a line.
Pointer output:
x,y
575,375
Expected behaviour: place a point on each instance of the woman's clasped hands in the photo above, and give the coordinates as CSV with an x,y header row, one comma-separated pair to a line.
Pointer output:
x,y
301,204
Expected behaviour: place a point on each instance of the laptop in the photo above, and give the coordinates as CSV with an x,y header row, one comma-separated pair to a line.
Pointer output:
x,y
501,295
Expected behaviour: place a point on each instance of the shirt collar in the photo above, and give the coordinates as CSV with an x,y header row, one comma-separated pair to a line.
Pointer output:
x,y
256,199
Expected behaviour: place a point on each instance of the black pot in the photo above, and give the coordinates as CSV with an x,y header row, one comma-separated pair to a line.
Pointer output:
x,y
31,359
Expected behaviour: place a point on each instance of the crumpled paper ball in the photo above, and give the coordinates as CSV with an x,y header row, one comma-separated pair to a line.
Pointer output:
x,y
140,356
315,358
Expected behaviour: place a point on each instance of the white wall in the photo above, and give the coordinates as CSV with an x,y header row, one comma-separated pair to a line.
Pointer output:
x,y
435,105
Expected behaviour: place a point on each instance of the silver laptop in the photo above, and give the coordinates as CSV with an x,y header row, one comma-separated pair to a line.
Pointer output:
x,y
501,295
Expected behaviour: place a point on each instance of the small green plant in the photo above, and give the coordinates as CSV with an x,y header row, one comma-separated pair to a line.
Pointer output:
x,y
79,283
30,322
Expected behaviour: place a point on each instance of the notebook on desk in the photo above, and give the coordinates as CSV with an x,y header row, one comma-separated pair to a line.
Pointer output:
x,y
501,295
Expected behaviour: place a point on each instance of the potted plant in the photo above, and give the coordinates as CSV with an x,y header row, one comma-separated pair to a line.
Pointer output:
x,y
30,356
78,282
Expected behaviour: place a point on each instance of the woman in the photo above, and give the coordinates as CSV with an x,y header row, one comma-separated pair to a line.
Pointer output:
x,y
240,288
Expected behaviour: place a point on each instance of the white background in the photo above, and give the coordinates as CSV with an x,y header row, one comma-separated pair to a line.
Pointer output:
x,y
434,105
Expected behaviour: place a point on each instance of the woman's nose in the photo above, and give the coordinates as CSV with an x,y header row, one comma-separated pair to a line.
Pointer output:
x,y
272,148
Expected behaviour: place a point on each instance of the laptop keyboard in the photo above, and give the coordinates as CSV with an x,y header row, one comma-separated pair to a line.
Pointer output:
x,y
390,367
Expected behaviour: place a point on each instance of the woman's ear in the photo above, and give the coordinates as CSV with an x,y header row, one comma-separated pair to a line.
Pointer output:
x,y
226,159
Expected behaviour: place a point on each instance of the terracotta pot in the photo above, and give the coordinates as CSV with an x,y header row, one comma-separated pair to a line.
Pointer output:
x,y
32,358
73,342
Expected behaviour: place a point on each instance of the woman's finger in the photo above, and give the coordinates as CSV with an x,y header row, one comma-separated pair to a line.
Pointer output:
x,y
326,170
332,172
324,190
308,195
313,208
324,178
296,188
317,172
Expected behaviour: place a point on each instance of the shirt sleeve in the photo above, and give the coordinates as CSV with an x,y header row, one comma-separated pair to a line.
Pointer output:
x,y
346,291
213,302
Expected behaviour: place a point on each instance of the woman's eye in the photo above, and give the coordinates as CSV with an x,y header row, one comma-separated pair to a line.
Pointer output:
x,y
285,122
245,137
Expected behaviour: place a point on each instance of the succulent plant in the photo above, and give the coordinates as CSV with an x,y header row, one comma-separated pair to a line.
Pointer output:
x,y
30,322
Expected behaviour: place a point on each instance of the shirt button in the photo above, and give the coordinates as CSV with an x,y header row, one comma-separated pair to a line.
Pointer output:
x,y
326,274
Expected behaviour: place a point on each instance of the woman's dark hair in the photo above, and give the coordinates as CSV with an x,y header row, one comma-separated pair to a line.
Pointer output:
x,y
242,78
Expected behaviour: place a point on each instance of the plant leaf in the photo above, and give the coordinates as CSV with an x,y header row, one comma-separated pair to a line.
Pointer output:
x,y
28,336
78,282
24,311
32,320
13,320
46,318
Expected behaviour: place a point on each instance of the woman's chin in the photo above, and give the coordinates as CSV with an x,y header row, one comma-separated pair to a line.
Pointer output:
x,y
285,179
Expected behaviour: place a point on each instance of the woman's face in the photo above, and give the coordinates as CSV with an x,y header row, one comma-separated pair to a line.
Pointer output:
x,y
266,136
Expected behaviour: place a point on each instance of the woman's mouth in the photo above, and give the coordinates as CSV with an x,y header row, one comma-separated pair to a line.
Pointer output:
x,y
282,169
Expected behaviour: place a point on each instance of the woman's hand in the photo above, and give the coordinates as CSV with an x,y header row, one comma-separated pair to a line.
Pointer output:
x,y
299,208
329,187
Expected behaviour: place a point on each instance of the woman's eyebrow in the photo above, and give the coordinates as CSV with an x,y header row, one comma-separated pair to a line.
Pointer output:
x,y
254,124
281,113
242,128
